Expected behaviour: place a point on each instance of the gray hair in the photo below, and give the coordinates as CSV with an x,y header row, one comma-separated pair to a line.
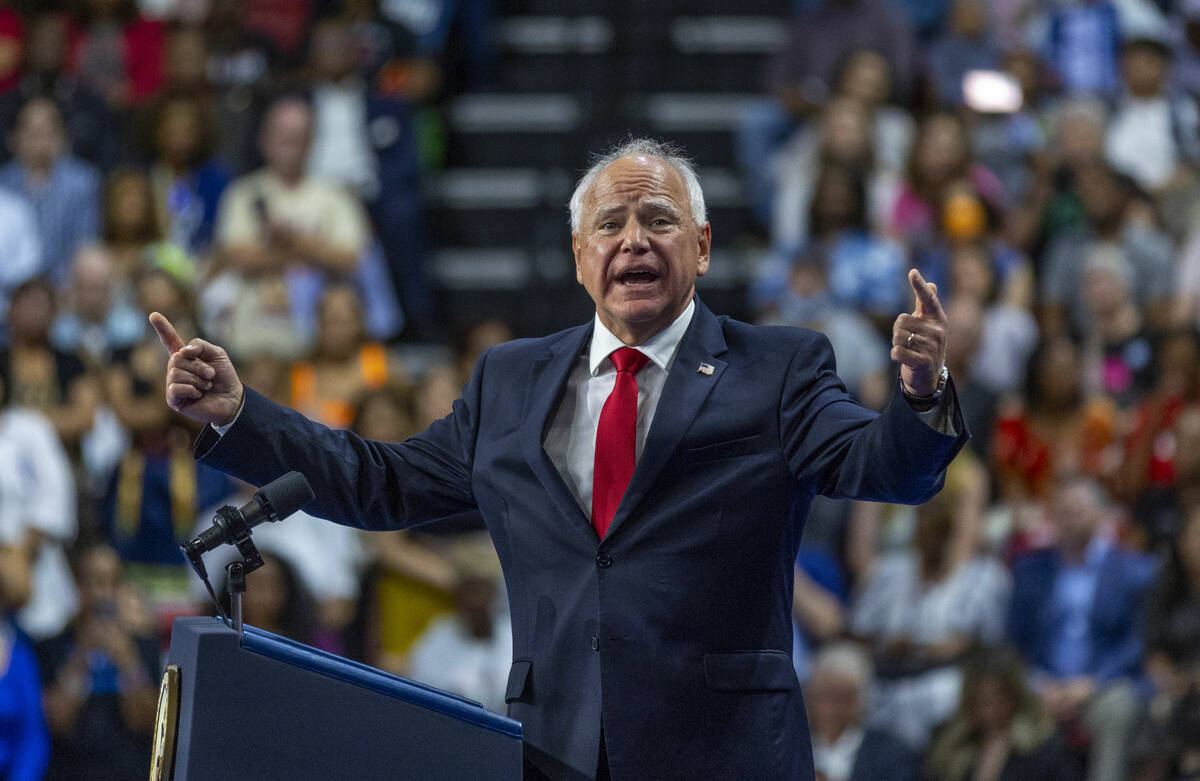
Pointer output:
x,y
670,154
847,659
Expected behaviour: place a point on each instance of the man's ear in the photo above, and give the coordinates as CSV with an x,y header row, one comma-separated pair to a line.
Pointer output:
x,y
576,248
705,242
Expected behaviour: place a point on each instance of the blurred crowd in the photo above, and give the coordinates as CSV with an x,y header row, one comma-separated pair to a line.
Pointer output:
x,y
252,169
1040,619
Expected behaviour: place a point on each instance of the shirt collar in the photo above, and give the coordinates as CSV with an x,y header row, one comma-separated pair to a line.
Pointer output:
x,y
660,348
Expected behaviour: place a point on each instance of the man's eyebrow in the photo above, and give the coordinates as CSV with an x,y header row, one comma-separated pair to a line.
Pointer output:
x,y
610,210
660,204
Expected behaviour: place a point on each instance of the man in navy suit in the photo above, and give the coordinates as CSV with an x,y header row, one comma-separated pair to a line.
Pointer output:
x,y
642,502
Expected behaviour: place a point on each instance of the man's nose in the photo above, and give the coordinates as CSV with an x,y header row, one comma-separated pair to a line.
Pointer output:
x,y
633,239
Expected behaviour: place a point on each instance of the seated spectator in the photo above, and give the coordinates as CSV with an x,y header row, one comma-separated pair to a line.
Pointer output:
x,y
24,740
1149,476
862,354
367,141
998,281
41,377
922,609
1081,45
819,596
856,128
1051,204
802,76
966,45
1000,732
1116,213
101,677
940,159
470,650
275,600
411,578
94,135
116,51
23,249
1120,345
63,190
865,273
845,747
281,235
240,67
94,320
1054,429
1172,616
187,181
131,228
1075,620
38,514
344,364
1152,135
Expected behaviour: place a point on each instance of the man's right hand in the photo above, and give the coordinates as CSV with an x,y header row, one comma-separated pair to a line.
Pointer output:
x,y
201,381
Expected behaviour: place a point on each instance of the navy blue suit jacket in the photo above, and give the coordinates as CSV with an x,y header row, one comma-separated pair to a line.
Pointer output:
x,y
1114,623
675,631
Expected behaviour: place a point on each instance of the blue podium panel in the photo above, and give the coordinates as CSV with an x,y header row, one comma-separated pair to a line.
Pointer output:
x,y
272,708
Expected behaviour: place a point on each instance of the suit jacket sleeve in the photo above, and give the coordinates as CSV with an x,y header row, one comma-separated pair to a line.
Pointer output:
x,y
357,482
853,452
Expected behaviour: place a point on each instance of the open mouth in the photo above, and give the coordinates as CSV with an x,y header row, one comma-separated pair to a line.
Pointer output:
x,y
638,276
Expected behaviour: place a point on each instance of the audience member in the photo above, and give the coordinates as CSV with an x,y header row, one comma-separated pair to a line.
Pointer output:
x,y
63,190
94,135
37,375
1075,619
965,46
1152,135
38,516
1116,214
411,578
344,364
94,319
470,650
922,609
101,676
1055,429
24,740
845,747
187,181
23,250
1000,732
116,51
1081,44
281,235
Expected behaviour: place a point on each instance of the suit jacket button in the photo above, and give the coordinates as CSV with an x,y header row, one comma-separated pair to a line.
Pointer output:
x,y
604,561
595,643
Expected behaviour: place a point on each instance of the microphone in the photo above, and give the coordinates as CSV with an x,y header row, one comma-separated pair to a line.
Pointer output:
x,y
274,501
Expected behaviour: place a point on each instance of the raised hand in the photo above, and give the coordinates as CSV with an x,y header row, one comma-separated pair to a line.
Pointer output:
x,y
201,381
919,339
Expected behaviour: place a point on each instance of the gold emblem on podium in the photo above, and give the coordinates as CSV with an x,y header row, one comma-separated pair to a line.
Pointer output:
x,y
162,759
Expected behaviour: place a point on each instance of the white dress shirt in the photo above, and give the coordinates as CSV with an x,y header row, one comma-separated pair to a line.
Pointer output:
x,y
571,440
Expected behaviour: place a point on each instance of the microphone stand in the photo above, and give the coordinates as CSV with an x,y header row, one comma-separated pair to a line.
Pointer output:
x,y
236,571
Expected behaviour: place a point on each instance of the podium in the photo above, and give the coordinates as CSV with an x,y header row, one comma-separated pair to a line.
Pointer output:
x,y
270,708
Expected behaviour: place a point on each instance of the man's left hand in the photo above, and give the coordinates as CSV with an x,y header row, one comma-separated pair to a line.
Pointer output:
x,y
919,339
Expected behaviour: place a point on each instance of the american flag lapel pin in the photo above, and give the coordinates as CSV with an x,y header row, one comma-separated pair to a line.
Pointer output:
x,y
705,369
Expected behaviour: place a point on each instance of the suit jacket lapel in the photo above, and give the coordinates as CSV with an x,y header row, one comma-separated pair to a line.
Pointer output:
x,y
682,396
547,381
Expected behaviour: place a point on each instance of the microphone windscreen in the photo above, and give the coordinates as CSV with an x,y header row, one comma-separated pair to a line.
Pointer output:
x,y
285,495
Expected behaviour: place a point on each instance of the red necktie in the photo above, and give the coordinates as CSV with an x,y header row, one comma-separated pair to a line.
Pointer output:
x,y
616,439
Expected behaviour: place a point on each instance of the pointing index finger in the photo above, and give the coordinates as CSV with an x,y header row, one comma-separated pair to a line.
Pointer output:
x,y
166,333
926,293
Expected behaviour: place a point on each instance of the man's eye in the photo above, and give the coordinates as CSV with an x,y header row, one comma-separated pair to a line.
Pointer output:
x,y
607,225
660,222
